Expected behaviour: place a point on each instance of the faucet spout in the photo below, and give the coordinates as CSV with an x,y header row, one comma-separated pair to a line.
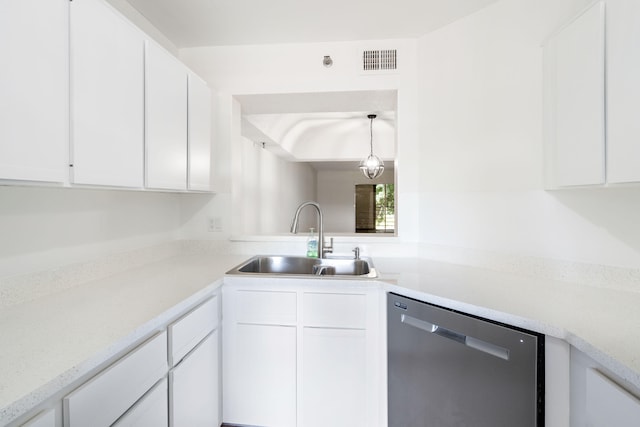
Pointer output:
x,y
294,225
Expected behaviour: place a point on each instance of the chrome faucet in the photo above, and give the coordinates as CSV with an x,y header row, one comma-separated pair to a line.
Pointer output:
x,y
294,228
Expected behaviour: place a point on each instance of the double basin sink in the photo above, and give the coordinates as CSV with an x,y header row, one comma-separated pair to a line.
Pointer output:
x,y
303,266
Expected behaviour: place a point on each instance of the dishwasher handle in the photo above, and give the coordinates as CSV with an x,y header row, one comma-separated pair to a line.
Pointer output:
x,y
475,343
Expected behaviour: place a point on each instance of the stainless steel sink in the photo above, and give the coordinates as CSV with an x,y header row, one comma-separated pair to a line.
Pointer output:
x,y
303,266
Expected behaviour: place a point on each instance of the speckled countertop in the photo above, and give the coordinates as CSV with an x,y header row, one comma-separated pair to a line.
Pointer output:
x,y
602,322
50,342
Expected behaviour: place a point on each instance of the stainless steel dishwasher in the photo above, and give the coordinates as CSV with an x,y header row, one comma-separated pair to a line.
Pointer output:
x,y
449,369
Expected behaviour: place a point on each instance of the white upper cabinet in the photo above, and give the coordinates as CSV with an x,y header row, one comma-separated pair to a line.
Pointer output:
x,y
166,120
623,91
88,99
199,134
107,97
574,80
592,102
34,118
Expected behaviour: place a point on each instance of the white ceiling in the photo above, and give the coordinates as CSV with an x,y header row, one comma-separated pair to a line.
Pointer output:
x,y
189,23
321,126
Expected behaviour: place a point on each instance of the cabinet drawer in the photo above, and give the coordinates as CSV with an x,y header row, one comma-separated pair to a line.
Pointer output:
x,y
266,307
335,310
104,398
150,410
187,332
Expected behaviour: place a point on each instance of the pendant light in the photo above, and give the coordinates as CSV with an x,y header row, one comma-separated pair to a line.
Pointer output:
x,y
372,167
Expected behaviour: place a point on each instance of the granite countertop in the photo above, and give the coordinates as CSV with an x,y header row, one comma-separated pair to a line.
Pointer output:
x,y
50,342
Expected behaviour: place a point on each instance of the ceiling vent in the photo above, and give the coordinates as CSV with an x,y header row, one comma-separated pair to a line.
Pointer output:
x,y
380,60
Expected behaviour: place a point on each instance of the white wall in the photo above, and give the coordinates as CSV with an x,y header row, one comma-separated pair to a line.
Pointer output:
x,y
336,192
43,228
273,189
481,116
297,68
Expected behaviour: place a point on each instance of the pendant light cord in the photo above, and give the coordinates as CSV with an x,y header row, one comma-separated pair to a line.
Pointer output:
x,y
371,132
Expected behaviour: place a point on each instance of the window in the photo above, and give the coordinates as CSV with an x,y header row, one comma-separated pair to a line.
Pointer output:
x,y
375,208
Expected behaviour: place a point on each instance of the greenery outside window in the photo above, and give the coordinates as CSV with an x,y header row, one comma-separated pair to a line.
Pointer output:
x,y
375,208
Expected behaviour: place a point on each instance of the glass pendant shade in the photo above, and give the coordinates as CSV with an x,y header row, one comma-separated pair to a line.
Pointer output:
x,y
372,167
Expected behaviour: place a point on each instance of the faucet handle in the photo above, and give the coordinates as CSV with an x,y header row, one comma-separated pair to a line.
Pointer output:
x,y
328,249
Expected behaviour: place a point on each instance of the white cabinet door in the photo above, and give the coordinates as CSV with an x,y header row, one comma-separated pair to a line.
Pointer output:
x,y
194,388
335,388
166,120
107,96
259,355
150,411
199,115
34,118
574,62
341,358
262,387
607,404
623,91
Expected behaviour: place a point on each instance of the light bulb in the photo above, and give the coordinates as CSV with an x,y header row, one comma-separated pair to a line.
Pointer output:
x,y
372,167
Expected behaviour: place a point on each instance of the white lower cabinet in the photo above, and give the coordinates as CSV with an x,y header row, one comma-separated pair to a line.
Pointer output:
x,y
608,404
334,391
150,410
337,330
194,387
194,380
263,390
302,353
172,379
107,396
259,362
598,397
